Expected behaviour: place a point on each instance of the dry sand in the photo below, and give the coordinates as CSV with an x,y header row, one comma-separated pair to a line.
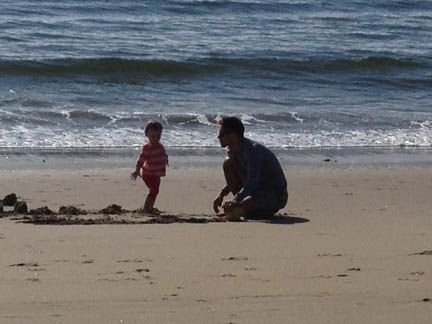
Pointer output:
x,y
355,246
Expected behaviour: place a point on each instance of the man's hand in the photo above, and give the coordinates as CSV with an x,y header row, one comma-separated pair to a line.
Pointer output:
x,y
217,203
229,205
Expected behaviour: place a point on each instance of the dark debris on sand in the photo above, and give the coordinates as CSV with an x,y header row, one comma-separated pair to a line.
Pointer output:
x,y
11,205
21,207
426,252
41,211
113,210
54,219
72,215
71,210
64,220
112,214
10,199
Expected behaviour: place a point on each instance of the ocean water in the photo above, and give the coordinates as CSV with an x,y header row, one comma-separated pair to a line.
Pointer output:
x,y
301,74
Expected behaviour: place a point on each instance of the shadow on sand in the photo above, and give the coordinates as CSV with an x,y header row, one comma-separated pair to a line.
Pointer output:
x,y
278,219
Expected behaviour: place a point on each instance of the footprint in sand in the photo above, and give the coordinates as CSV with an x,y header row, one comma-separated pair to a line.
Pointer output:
x,y
235,259
108,279
28,264
166,297
61,260
427,252
134,260
142,270
417,273
259,279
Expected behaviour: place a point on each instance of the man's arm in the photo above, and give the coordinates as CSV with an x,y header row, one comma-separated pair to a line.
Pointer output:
x,y
219,199
254,160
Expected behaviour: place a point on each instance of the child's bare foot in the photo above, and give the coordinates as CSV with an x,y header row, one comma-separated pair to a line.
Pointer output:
x,y
157,211
152,211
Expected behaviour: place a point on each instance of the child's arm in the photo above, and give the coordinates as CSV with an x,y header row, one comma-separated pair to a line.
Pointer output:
x,y
140,162
136,173
166,155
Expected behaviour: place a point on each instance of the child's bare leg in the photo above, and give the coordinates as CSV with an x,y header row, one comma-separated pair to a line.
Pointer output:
x,y
153,185
148,205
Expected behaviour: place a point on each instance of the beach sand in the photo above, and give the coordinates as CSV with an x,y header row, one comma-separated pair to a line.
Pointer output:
x,y
353,246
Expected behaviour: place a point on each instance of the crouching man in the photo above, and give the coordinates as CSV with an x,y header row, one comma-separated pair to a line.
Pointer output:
x,y
253,175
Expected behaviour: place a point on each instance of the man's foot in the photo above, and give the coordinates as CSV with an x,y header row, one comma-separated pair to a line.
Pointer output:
x,y
236,214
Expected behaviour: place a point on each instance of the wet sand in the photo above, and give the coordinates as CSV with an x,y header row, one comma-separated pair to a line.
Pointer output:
x,y
352,246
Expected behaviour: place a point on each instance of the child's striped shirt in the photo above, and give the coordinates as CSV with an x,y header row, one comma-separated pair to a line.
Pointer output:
x,y
153,160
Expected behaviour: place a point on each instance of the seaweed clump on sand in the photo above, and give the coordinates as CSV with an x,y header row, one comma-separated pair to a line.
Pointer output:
x,y
13,205
65,220
41,211
10,199
113,214
71,210
113,210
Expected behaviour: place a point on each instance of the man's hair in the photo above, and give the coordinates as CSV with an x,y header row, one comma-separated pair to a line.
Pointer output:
x,y
232,125
155,125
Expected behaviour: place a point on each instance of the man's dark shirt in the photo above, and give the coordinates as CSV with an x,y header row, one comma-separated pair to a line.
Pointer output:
x,y
262,168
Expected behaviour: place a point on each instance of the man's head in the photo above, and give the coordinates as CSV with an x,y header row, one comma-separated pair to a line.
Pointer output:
x,y
231,131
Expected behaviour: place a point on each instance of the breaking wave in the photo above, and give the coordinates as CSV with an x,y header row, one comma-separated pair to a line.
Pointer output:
x,y
169,69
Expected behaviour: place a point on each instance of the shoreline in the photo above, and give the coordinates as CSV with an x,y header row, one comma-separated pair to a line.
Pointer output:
x,y
90,158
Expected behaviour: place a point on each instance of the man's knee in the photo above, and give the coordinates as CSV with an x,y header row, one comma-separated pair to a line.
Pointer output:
x,y
233,175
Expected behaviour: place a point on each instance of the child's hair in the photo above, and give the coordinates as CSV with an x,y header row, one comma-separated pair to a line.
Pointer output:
x,y
153,125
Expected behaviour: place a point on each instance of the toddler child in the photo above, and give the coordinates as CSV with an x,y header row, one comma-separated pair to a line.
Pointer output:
x,y
152,161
